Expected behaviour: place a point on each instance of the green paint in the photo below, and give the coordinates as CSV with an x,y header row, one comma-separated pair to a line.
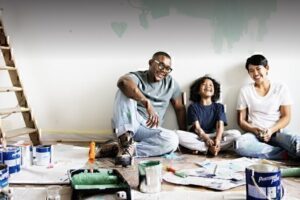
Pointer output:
x,y
143,20
119,28
229,18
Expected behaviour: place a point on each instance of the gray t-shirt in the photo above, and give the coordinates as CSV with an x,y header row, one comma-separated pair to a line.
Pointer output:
x,y
159,93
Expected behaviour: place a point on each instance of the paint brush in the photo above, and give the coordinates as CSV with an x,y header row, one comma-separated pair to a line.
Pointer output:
x,y
175,172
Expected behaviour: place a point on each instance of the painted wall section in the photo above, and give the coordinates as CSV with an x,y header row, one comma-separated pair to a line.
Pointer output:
x,y
70,54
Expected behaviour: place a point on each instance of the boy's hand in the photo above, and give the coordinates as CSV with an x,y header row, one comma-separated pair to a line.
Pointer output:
x,y
209,142
214,150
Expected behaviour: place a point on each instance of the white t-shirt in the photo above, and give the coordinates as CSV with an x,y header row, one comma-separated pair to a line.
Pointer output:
x,y
263,111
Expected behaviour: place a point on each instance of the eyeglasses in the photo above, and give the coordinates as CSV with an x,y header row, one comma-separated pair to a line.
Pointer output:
x,y
162,66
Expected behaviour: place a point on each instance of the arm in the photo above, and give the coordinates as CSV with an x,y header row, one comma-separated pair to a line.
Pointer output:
x,y
130,89
201,133
219,132
180,112
216,147
245,125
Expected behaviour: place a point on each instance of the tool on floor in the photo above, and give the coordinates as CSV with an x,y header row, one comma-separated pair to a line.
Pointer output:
x,y
96,178
175,172
16,87
290,172
102,181
92,156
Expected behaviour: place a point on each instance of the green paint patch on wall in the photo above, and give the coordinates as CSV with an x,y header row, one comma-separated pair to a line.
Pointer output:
x,y
119,28
229,18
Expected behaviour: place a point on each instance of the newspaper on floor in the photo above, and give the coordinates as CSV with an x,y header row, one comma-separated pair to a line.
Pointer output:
x,y
218,175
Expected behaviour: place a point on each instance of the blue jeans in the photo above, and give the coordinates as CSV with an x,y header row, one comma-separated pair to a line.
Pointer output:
x,y
280,145
150,141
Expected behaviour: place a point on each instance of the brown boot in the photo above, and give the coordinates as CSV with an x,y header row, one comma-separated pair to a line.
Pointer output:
x,y
108,149
127,149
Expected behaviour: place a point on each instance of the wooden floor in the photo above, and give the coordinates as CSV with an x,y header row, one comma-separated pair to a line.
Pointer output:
x,y
185,161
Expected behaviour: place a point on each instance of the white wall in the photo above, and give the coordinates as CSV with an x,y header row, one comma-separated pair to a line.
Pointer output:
x,y
70,54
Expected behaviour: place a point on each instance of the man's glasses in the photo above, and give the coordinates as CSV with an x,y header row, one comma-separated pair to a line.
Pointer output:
x,y
162,66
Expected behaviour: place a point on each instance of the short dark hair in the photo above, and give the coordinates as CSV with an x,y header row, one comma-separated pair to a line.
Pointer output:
x,y
194,89
256,59
161,53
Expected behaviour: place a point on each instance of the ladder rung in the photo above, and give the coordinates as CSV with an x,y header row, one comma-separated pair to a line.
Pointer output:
x,y
7,111
10,89
4,47
19,132
7,68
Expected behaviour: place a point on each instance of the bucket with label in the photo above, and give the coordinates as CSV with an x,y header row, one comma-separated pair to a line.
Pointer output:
x,y
4,174
263,181
41,155
11,156
150,176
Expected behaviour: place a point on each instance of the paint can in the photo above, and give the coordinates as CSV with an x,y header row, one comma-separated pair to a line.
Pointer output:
x,y
41,155
25,156
4,174
150,176
263,181
11,156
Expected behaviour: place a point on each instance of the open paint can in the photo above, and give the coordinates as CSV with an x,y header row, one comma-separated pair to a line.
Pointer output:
x,y
263,181
150,176
11,156
41,155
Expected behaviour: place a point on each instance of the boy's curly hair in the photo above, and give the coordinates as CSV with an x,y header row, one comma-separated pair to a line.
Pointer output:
x,y
194,89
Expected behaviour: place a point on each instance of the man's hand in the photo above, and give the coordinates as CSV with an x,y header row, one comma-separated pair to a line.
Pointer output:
x,y
153,118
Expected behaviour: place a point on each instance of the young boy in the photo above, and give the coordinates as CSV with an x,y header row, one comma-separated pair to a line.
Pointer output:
x,y
206,120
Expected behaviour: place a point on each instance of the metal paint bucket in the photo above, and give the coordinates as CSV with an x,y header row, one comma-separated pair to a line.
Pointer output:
x,y
26,156
11,156
41,155
263,182
3,176
150,176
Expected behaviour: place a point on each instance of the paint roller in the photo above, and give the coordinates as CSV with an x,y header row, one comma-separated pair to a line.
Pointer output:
x,y
285,172
290,172
95,178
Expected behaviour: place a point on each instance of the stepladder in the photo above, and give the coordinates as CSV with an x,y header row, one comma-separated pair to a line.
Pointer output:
x,y
20,105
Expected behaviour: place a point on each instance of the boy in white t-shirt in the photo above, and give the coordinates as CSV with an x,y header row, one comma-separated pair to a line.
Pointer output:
x,y
264,111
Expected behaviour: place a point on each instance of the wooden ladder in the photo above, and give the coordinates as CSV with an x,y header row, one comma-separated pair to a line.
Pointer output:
x,y
17,88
